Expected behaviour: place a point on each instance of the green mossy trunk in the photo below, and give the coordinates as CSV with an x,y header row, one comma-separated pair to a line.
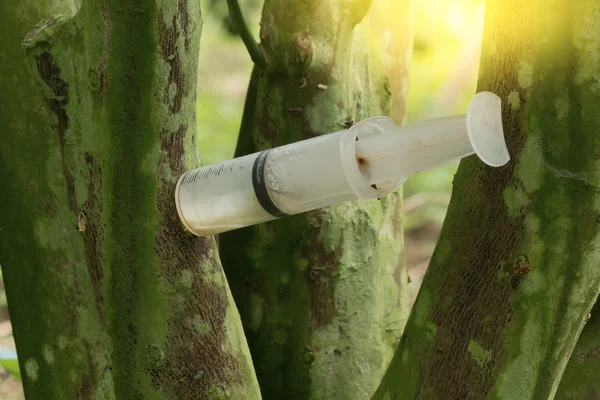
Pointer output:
x,y
109,297
515,272
580,380
323,296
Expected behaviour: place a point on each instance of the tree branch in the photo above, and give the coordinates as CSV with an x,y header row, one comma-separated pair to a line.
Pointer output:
x,y
256,53
245,144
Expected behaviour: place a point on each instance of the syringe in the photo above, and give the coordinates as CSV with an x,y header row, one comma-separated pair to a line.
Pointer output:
x,y
369,160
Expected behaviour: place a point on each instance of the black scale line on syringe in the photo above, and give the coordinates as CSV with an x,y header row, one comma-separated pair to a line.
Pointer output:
x,y
195,177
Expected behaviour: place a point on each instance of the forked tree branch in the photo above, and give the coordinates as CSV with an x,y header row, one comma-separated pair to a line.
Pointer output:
x,y
256,53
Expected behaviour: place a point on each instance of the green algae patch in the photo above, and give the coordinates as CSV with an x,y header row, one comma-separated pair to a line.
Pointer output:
x,y
525,74
514,99
480,355
32,369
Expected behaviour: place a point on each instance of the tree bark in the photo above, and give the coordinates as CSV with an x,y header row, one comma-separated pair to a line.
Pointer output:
x,y
323,296
109,297
515,272
580,380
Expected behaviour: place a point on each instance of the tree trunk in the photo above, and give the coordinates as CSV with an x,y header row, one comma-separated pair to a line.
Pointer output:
x,y
580,380
515,272
109,297
323,296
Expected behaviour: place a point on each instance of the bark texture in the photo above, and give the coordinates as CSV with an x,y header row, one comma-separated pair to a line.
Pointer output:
x,y
515,272
109,297
323,296
580,380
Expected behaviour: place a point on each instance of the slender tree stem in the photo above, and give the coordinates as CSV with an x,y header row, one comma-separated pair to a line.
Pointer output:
x,y
245,144
306,346
256,53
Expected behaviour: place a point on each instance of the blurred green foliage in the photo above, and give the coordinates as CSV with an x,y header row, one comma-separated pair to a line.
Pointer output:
x,y
447,44
12,367
443,79
223,76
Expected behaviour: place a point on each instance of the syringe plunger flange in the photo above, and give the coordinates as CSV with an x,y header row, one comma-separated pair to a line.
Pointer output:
x,y
369,160
484,127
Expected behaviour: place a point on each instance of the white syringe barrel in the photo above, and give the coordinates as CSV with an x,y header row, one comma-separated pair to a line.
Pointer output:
x,y
287,180
369,160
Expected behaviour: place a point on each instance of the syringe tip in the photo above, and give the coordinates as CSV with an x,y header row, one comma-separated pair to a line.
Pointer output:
x,y
484,126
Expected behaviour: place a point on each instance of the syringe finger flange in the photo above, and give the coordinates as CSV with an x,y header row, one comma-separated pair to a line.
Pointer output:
x,y
356,166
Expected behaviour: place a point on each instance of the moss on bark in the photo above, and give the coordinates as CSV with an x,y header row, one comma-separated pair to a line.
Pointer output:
x,y
580,380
